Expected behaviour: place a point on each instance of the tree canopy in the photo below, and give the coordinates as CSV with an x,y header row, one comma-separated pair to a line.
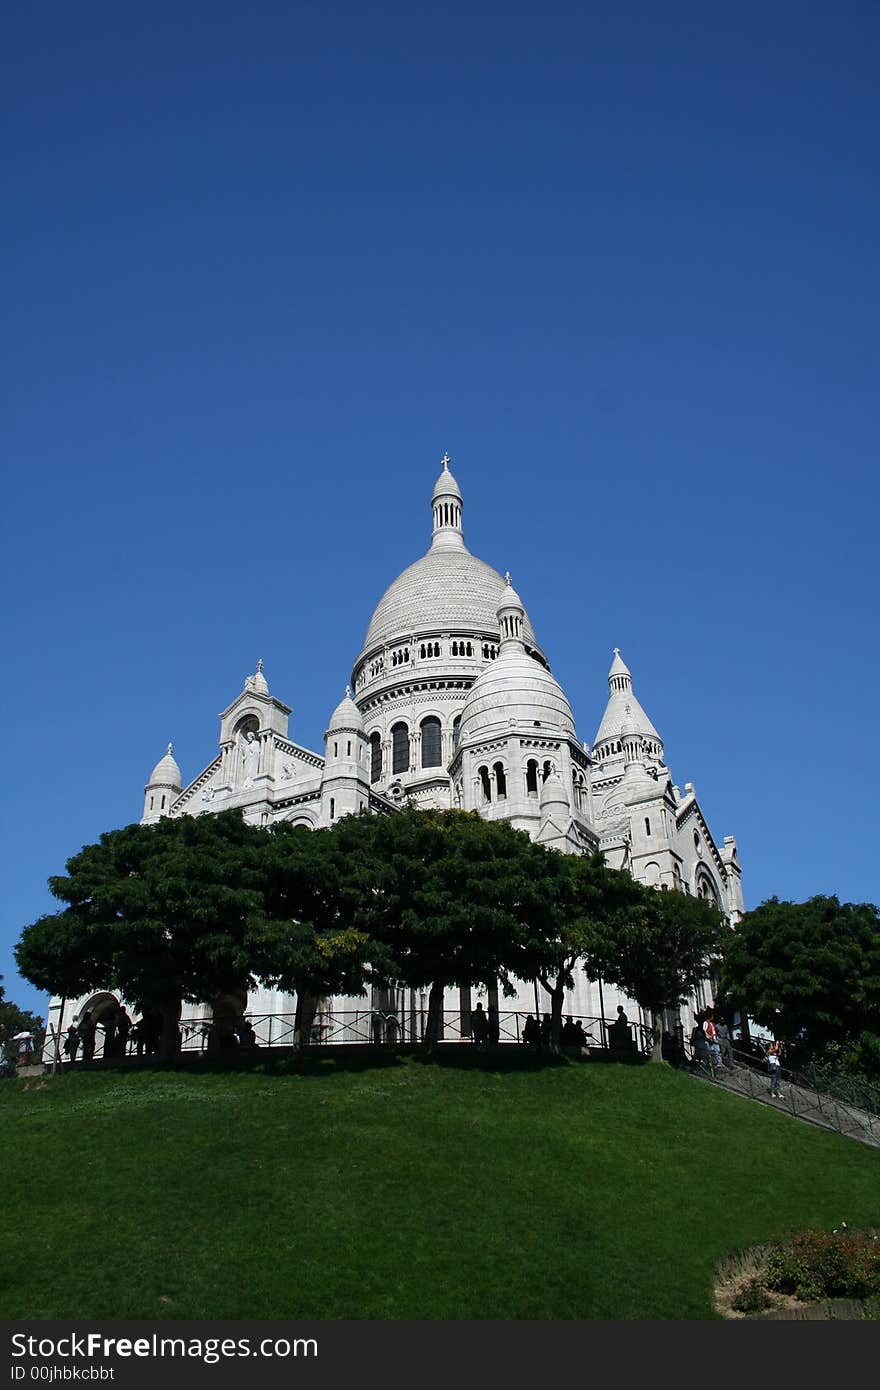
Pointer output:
x,y
15,1020
809,971
658,950
445,897
160,913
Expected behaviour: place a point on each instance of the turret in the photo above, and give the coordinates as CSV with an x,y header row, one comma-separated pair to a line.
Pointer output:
x,y
623,708
164,785
511,616
345,787
446,508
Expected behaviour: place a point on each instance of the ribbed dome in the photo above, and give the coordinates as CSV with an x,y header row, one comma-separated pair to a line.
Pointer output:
x,y
446,486
166,773
446,589
515,689
346,715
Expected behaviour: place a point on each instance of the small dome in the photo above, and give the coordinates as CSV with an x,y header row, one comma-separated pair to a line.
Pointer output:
x,y
553,793
509,598
346,715
166,773
619,666
446,486
515,689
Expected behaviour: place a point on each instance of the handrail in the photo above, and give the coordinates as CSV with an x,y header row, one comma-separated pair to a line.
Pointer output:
x,y
378,1027
801,1101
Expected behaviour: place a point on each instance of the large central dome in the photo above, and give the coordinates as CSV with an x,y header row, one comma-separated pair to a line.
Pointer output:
x,y
447,590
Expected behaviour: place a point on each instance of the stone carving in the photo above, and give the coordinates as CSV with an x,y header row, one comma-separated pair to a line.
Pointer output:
x,y
249,756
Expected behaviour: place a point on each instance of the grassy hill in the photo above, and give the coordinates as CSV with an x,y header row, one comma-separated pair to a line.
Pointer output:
x,y
472,1188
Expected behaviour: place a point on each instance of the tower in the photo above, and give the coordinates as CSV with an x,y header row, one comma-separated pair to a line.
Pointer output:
x,y
345,787
164,785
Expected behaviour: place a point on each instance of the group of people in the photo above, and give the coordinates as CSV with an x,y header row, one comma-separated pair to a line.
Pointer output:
x,y
120,1035
538,1034
485,1026
230,1036
711,1043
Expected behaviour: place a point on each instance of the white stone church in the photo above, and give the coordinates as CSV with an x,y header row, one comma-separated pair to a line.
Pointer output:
x,y
452,703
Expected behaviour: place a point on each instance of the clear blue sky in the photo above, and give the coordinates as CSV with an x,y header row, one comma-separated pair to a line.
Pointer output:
x,y
264,263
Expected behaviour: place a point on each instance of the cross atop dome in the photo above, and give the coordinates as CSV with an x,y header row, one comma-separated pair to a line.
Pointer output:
x,y
445,461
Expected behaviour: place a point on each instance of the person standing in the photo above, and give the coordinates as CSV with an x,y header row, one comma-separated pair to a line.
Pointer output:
x,y
531,1033
723,1034
493,1026
774,1062
479,1026
712,1044
87,1037
71,1043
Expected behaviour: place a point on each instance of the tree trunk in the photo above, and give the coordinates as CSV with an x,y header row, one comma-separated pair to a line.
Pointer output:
x,y
304,1018
557,998
657,1025
169,1046
435,1016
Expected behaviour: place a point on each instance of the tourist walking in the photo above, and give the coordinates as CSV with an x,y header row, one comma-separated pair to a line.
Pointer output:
x,y
699,1047
723,1034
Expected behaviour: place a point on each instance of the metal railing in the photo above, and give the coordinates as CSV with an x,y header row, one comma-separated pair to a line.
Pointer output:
x,y
379,1028
750,1076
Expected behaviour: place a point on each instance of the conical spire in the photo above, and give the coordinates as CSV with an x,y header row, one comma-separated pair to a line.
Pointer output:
x,y
446,508
619,677
623,709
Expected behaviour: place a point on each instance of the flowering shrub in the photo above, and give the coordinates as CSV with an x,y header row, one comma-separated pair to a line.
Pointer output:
x,y
819,1264
751,1298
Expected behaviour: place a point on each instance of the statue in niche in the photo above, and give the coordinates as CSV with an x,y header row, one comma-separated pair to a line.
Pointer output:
x,y
249,756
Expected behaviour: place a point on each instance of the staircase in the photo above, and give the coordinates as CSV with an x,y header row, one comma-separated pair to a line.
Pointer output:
x,y
797,1100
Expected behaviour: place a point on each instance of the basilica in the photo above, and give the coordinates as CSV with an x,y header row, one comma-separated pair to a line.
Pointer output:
x,y
452,703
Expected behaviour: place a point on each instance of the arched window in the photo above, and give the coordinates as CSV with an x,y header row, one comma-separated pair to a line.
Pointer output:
x,y
400,748
548,768
647,825
485,784
375,757
532,777
432,753
500,780
456,730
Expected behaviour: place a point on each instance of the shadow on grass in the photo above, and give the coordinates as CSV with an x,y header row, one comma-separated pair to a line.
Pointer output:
x,y
340,1059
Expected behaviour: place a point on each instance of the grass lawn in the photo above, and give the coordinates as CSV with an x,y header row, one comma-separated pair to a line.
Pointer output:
x,y
472,1188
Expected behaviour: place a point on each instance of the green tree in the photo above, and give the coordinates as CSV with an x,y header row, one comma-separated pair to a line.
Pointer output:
x,y
658,951
160,913
575,903
304,943
809,971
444,897
15,1020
